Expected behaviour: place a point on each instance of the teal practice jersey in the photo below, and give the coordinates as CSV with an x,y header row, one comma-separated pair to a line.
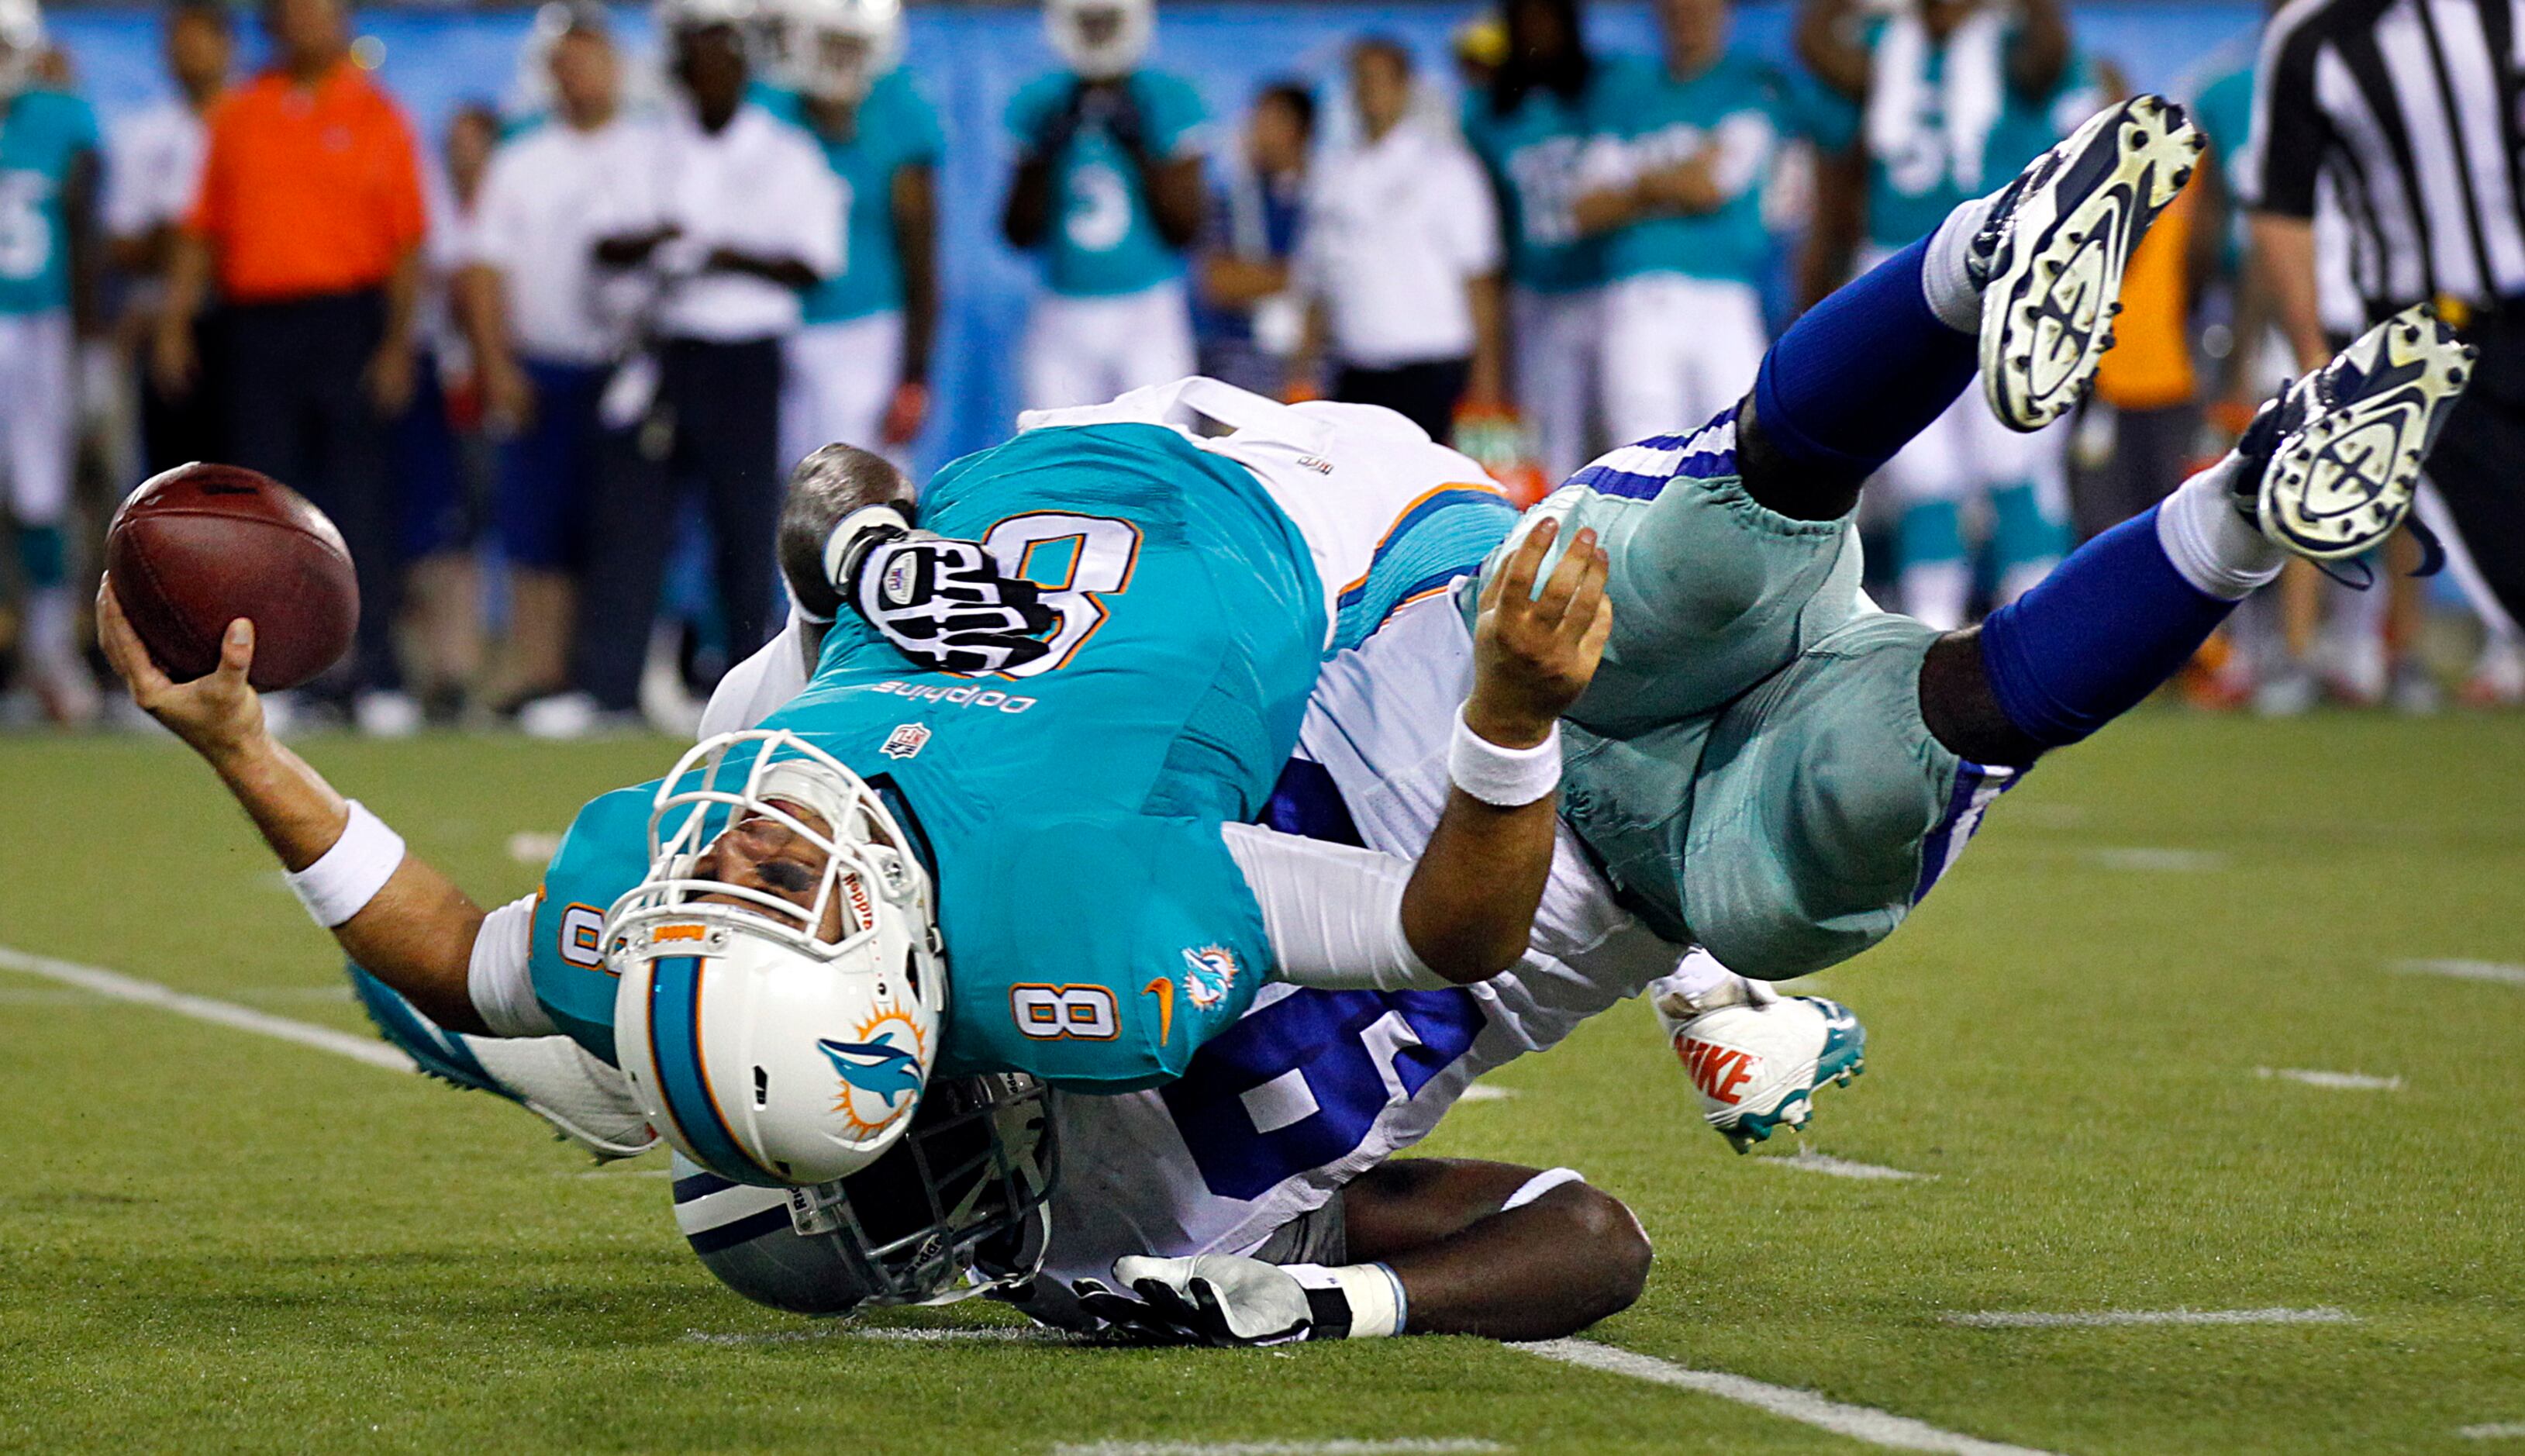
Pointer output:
x,y
42,137
1661,122
1910,191
894,128
1103,239
1533,156
1096,928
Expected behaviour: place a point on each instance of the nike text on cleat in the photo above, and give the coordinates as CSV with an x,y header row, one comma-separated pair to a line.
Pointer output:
x,y
2054,248
2342,447
1756,1069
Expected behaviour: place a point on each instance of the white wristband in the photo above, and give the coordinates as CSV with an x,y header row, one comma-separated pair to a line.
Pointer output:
x,y
1508,777
347,876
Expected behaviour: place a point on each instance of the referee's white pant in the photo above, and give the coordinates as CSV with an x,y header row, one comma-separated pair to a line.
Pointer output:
x,y
836,381
1676,351
1558,341
1083,351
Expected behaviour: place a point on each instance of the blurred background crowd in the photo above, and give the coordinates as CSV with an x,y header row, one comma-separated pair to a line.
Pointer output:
x,y
540,305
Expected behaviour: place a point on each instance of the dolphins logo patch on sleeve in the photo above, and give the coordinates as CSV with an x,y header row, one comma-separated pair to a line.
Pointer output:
x,y
1208,974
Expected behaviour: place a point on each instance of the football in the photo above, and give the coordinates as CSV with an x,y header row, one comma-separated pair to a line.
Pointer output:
x,y
201,546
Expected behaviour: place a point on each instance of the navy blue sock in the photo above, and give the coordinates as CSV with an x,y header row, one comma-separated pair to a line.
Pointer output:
x,y
2093,640
1863,371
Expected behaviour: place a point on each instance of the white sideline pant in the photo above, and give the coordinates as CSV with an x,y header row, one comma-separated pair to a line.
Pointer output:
x,y
1085,351
1676,351
836,380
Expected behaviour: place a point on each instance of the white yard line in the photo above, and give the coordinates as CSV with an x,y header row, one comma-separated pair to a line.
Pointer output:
x,y
2009,1319
1397,1447
1807,1160
1858,1422
133,988
2158,861
2496,1431
1479,1093
2345,1081
2503,975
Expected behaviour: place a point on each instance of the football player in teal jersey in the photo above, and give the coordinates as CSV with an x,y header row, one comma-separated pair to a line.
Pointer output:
x,y
1107,195
761,938
858,370
1529,130
48,174
1942,99
1675,191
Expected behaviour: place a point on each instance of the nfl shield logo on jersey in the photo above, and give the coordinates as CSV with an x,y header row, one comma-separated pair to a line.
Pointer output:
x,y
905,740
1209,973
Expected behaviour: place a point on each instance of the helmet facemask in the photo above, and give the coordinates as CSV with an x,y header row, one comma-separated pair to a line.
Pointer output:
x,y
782,984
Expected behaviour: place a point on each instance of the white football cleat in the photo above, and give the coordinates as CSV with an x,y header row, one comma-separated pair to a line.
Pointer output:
x,y
2342,447
586,1101
2052,253
1757,1067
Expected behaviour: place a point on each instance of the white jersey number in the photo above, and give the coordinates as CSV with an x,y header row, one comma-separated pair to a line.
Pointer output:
x,y
1101,553
26,228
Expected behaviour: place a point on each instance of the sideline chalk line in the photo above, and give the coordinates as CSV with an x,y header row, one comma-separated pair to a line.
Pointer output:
x,y
122,987
1858,1422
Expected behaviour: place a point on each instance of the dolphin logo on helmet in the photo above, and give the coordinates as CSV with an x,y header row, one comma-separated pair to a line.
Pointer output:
x,y
732,1040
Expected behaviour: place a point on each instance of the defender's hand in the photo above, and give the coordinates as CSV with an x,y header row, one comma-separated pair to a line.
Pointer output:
x,y
219,715
1534,655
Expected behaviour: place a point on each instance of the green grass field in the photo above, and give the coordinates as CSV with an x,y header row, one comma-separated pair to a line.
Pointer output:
x,y
211,1239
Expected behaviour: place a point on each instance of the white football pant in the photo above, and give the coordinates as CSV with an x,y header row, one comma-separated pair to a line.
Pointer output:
x,y
836,380
1556,345
1085,351
38,414
1676,351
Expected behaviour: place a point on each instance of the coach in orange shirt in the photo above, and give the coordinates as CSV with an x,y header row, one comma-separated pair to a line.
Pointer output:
x,y
309,223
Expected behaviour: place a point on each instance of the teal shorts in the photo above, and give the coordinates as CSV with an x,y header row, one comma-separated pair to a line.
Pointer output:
x,y
1751,768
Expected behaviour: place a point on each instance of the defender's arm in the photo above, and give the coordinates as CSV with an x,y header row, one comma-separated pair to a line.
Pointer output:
x,y
416,931
1465,912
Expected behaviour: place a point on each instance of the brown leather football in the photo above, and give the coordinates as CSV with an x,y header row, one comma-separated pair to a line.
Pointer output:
x,y
201,546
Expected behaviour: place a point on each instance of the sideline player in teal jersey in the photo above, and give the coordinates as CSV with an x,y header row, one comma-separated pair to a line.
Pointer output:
x,y
1531,130
1675,190
1108,193
1939,99
858,370
1070,819
48,175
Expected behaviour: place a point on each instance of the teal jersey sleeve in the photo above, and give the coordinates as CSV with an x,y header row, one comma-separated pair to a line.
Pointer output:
x,y
895,128
602,857
1138,942
43,134
1103,239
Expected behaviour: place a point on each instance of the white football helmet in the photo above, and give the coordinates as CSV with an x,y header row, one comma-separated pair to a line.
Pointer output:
x,y
22,44
770,1042
1100,39
836,49
674,15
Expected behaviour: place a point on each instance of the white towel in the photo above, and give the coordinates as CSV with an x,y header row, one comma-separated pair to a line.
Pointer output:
x,y
1970,92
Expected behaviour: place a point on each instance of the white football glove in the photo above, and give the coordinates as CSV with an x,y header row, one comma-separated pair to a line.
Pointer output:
x,y
942,603
1227,1299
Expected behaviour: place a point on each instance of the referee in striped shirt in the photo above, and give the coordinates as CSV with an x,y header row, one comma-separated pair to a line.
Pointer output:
x,y
2399,121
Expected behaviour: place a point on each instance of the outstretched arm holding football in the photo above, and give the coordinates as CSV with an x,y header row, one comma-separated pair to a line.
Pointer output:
x,y
416,932
1468,911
